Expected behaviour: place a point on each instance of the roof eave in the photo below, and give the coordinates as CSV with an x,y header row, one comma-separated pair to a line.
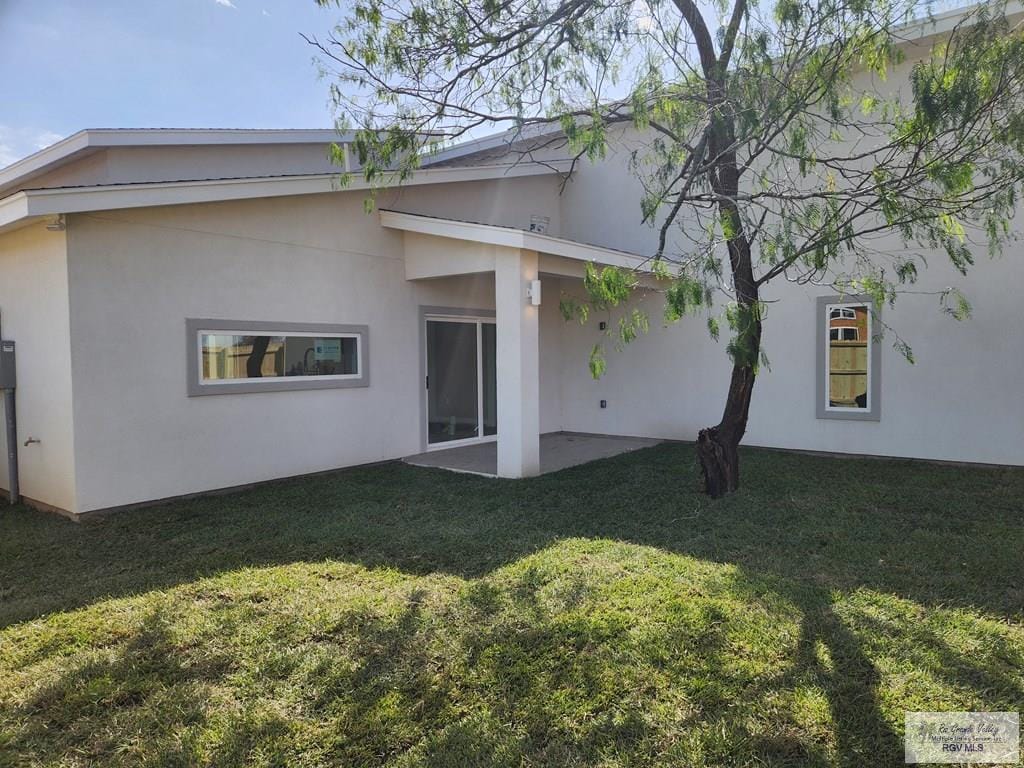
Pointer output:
x,y
49,202
509,237
90,140
493,141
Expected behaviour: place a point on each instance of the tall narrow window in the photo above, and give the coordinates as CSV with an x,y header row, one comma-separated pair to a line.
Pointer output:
x,y
848,359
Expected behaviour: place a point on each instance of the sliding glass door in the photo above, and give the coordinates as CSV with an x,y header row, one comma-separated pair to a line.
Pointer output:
x,y
461,385
489,349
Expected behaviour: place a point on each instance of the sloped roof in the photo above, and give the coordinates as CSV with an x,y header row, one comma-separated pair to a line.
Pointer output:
x,y
32,203
83,143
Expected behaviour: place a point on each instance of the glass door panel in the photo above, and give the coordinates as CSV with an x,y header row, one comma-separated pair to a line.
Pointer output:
x,y
453,397
489,347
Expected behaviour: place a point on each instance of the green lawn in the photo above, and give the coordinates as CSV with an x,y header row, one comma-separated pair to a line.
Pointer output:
x,y
607,615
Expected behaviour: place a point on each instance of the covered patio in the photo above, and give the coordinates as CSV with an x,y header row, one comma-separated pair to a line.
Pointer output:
x,y
558,450
520,261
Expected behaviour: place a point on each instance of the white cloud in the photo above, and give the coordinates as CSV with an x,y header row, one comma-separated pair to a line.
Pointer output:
x,y
46,138
16,143
7,154
225,3
266,12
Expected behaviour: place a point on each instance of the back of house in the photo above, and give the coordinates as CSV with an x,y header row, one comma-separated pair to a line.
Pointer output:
x,y
202,309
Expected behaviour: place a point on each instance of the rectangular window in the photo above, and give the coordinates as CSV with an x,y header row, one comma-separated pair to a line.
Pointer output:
x,y
844,334
848,360
236,356
842,313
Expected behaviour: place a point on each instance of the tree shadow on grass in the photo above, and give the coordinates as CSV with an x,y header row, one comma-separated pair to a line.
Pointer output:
x,y
137,686
850,681
521,669
993,672
938,535
536,664
895,528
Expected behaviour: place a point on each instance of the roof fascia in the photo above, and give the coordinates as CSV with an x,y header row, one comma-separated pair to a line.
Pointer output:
x,y
92,139
508,237
46,202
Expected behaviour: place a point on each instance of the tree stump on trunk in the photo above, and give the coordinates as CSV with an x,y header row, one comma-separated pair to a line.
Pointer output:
x,y
719,462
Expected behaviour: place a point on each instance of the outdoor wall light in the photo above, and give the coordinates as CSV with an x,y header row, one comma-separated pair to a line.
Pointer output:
x,y
533,292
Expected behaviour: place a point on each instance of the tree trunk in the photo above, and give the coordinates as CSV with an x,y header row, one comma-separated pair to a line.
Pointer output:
x,y
254,363
718,446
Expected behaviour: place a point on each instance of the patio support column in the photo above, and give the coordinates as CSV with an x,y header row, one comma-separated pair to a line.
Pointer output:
x,y
518,365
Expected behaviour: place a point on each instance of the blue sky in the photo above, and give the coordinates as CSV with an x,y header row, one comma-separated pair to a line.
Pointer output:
x,y
72,64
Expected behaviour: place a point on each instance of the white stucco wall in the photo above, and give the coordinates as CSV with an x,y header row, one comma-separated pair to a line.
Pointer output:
x,y
34,314
137,275
958,402
552,354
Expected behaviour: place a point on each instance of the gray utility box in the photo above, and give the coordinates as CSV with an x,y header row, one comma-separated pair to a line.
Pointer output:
x,y
7,379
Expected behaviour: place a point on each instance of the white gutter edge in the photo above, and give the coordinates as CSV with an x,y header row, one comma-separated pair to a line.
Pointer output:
x,y
46,202
509,237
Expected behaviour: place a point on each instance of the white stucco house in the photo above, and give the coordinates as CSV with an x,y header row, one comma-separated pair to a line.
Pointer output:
x,y
202,309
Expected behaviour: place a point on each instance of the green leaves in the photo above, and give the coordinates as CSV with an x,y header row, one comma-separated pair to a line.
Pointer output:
x,y
632,325
684,296
814,154
589,139
904,349
713,327
597,363
571,308
906,270
955,304
744,320
788,13
609,286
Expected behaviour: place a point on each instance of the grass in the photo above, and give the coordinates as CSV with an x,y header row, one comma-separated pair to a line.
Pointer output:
x,y
606,615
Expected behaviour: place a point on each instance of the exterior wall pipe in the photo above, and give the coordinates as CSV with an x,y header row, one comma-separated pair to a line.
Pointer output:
x,y
10,417
12,446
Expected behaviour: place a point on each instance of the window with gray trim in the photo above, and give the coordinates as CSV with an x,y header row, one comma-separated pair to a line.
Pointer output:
x,y
848,360
227,356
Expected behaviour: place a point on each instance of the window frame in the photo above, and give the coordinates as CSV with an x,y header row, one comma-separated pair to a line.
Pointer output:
x,y
874,360
856,331
197,387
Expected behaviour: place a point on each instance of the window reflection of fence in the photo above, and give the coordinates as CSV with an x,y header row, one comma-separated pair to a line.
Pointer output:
x,y
848,372
232,361
226,356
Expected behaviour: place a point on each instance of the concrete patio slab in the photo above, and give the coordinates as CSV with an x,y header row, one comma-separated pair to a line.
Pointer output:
x,y
558,450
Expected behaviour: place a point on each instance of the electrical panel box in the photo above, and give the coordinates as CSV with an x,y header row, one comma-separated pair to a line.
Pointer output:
x,y
7,379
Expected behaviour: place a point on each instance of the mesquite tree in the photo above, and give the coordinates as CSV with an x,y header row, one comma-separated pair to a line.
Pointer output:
x,y
780,140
